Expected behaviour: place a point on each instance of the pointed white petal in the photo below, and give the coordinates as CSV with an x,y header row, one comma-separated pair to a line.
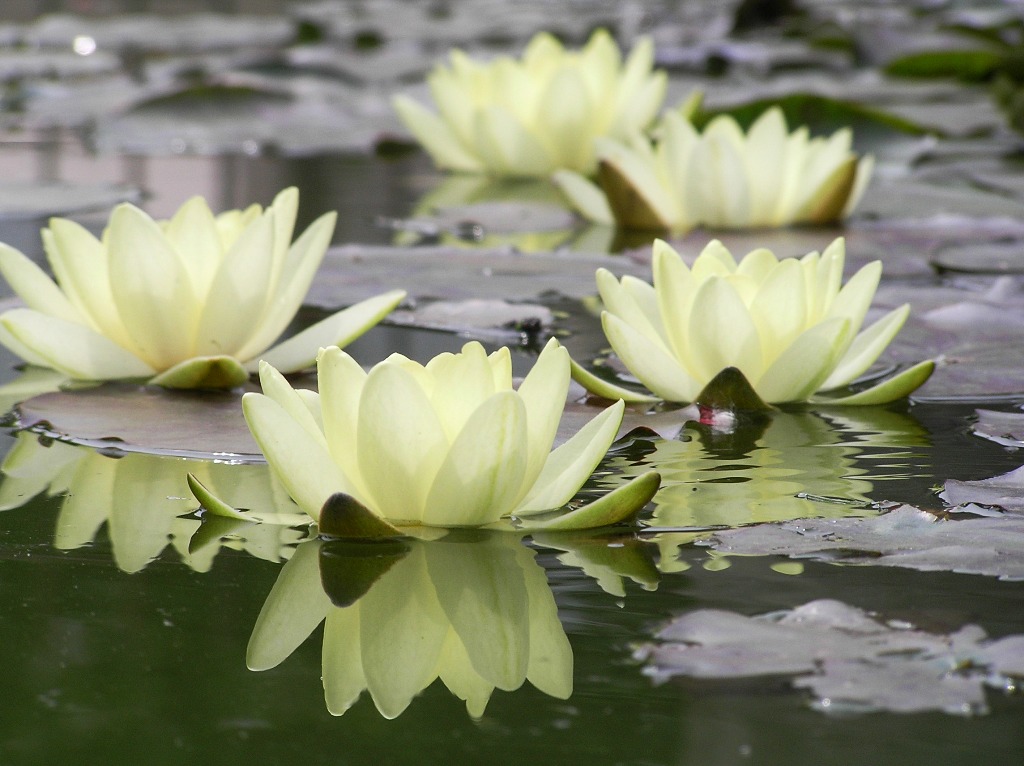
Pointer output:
x,y
72,348
867,347
34,287
656,368
482,475
569,466
800,370
584,196
192,232
299,351
436,137
543,391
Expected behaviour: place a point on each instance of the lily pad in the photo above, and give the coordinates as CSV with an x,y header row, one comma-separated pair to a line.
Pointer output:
x,y
1006,491
35,201
1006,428
903,537
849,661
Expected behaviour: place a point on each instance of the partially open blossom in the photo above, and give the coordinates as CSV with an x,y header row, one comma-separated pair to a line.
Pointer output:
x,y
786,324
191,302
531,116
444,445
722,177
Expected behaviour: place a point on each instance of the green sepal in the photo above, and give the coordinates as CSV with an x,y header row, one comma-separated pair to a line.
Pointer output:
x,y
888,390
600,387
203,372
730,391
345,518
620,506
214,504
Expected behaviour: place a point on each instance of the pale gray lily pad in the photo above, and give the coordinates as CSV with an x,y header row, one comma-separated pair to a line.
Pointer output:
x,y
490,318
155,33
848,660
38,201
903,537
20,64
351,272
1005,491
1006,428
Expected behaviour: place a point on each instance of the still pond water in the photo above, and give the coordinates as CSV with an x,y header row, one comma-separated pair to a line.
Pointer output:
x,y
127,624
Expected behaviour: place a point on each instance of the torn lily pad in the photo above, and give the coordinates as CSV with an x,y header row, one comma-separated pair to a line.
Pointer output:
x,y
903,537
848,660
198,311
477,614
1005,491
1006,428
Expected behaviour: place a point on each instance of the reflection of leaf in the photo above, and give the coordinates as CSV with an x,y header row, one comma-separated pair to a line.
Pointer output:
x,y
850,661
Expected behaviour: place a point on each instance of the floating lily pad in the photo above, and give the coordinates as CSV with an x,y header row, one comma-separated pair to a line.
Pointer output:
x,y
849,660
492,318
1006,491
1006,428
904,537
448,273
34,201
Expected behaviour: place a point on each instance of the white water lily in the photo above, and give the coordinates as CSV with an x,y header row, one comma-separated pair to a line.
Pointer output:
x,y
191,302
531,116
784,323
448,444
722,177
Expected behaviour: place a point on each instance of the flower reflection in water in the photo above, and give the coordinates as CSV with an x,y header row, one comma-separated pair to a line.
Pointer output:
x,y
472,608
145,502
794,465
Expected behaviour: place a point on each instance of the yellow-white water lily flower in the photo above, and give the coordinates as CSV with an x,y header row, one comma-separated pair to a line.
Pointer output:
x,y
786,324
191,302
478,615
722,177
447,444
531,116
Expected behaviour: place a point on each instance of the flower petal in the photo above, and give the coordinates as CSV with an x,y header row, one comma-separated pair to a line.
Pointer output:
x,y
238,292
341,380
569,466
299,351
435,136
482,475
722,333
300,462
290,284
72,348
656,368
192,232
34,287
568,120
400,443
543,391
507,147
799,370
584,196
151,288
867,347
280,390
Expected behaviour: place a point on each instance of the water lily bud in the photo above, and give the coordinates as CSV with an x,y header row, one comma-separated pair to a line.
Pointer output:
x,y
191,302
533,115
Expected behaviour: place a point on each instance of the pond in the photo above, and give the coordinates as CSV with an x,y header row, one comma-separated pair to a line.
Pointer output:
x,y
824,585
